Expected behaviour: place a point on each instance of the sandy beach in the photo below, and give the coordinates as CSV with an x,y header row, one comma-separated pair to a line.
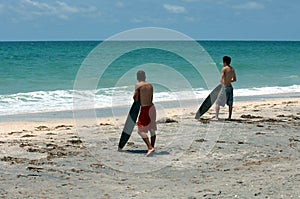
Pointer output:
x,y
256,155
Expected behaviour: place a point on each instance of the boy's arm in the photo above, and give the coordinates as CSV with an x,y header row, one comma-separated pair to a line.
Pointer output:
x,y
222,78
136,94
234,76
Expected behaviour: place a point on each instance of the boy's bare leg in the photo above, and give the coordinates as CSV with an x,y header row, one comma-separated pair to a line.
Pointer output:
x,y
146,140
230,112
153,137
216,118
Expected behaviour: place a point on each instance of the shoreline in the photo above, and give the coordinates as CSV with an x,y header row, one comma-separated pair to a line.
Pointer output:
x,y
110,116
106,112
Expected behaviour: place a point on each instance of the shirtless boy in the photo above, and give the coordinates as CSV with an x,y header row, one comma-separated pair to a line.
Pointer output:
x,y
226,95
147,118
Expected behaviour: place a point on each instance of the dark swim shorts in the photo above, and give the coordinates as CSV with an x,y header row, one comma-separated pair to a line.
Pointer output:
x,y
226,96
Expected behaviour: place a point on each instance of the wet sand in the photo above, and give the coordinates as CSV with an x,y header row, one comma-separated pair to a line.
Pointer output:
x,y
256,155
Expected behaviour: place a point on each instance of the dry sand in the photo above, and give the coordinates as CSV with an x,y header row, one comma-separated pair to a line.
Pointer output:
x,y
257,155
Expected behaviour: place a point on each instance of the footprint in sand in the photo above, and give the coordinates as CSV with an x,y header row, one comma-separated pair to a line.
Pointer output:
x,y
42,128
66,127
28,136
18,132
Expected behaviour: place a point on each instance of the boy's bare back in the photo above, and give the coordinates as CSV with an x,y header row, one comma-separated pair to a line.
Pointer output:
x,y
228,75
144,93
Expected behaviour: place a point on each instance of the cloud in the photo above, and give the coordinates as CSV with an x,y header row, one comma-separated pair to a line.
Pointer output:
x,y
136,20
190,19
147,19
120,4
196,0
249,6
31,9
59,9
1,8
174,9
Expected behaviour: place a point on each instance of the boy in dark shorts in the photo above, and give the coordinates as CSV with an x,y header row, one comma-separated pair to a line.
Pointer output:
x,y
226,95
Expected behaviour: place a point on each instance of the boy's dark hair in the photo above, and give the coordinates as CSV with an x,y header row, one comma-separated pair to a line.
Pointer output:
x,y
140,75
227,60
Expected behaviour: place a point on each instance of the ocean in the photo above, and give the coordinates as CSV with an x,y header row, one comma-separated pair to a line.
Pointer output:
x,y
39,76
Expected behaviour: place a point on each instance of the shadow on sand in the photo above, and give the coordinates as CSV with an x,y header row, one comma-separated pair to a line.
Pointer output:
x,y
138,151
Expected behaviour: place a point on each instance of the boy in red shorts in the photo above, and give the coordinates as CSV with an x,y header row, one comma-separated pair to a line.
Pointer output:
x,y
147,118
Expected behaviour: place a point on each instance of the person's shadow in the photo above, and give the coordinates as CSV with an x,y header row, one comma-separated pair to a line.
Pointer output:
x,y
139,151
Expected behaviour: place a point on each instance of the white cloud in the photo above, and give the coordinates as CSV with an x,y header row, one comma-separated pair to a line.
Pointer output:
x,y
120,4
1,7
194,0
249,6
190,19
174,8
31,9
136,20
147,19
67,8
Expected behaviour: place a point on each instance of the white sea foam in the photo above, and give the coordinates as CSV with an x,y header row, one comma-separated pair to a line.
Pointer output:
x,y
60,100
266,90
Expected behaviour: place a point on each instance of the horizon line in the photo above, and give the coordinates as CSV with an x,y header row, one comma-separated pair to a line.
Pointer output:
x,y
98,40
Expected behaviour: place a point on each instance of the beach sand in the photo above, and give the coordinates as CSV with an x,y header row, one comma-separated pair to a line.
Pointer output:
x,y
256,155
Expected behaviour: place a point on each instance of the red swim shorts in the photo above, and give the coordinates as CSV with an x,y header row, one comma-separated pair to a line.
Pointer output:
x,y
147,119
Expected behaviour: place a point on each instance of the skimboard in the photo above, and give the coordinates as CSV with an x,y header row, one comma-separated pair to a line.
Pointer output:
x,y
209,101
129,124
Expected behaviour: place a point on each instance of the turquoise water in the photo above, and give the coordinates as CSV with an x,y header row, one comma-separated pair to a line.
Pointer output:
x,y
261,63
40,66
39,76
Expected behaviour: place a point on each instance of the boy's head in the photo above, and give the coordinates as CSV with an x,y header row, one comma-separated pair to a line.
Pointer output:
x,y
227,60
140,75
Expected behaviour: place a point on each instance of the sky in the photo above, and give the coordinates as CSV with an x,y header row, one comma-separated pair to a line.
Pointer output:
x,y
101,19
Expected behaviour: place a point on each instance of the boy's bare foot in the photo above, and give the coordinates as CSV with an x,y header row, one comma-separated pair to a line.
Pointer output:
x,y
214,119
149,152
